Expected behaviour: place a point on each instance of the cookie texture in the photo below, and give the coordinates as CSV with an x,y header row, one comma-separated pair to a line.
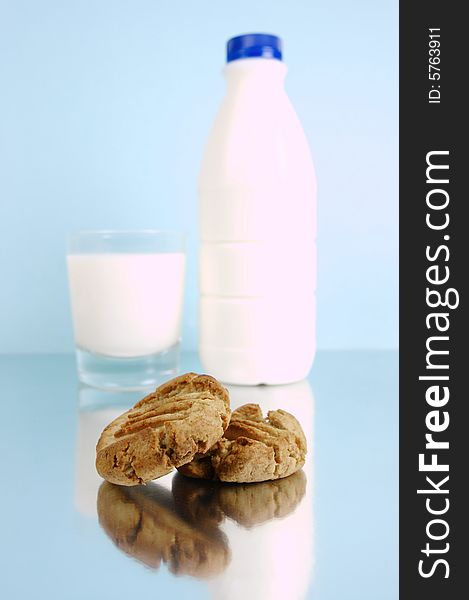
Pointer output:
x,y
143,523
253,448
180,419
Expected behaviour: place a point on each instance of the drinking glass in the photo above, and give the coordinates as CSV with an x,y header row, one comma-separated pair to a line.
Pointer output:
x,y
126,292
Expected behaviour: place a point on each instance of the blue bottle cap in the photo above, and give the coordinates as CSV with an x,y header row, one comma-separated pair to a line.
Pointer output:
x,y
254,45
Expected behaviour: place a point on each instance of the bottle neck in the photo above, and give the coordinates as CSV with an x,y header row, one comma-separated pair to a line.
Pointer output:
x,y
258,72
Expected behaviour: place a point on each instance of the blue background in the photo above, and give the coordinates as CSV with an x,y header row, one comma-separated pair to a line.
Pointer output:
x,y
104,110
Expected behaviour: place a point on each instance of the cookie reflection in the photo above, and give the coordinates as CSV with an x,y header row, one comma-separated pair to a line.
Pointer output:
x,y
249,505
143,523
182,528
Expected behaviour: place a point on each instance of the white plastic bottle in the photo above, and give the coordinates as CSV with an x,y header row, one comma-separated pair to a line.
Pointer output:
x,y
257,190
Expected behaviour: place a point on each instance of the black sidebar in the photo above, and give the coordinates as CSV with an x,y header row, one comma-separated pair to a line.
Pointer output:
x,y
434,256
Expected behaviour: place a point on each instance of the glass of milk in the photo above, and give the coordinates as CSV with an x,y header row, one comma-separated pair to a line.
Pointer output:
x,y
126,291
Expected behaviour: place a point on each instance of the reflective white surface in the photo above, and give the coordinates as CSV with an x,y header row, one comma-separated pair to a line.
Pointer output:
x,y
329,532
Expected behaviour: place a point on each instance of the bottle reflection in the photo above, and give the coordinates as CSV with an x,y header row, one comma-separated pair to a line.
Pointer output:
x,y
273,561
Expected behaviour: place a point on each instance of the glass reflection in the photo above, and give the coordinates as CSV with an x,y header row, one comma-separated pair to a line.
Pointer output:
x,y
96,408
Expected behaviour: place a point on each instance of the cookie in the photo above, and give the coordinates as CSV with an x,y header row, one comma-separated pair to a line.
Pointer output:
x,y
143,522
253,448
180,419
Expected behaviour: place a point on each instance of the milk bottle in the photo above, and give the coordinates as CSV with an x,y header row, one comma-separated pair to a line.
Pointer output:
x,y
257,191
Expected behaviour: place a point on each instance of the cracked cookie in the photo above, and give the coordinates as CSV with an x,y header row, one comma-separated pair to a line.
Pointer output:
x,y
180,419
252,449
